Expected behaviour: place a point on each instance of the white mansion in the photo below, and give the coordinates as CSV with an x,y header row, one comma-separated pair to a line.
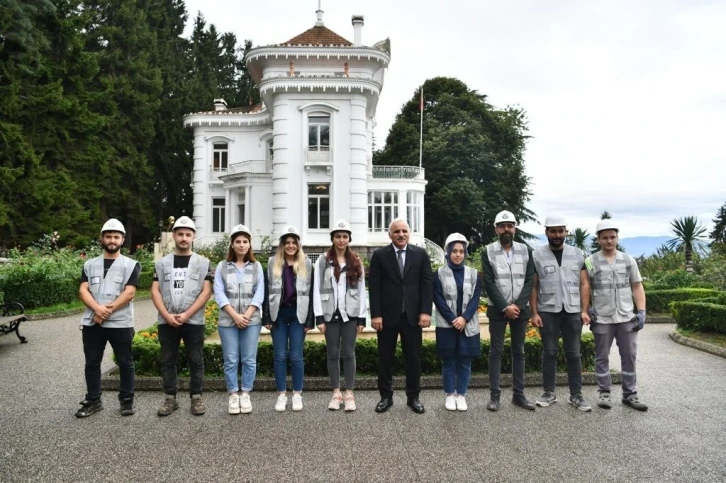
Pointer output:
x,y
304,155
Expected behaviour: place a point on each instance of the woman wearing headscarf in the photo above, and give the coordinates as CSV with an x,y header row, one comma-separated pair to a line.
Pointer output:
x,y
339,305
457,289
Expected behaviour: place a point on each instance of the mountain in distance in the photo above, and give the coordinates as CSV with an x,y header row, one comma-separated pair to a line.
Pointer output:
x,y
635,246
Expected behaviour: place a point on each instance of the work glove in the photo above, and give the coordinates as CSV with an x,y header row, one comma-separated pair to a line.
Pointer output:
x,y
639,320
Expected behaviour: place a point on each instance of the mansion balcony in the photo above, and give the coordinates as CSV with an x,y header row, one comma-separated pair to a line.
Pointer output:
x,y
254,166
398,172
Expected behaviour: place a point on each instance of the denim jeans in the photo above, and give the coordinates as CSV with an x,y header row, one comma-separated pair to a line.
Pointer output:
x,y
456,372
288,330
169,338
570,326
497,328
239,346
94,344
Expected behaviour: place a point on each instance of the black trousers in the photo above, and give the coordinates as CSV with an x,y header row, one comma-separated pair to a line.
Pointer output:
x,y
411,337
95,338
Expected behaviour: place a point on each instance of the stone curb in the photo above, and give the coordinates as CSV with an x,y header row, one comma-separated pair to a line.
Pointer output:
x,y
66,313
110,382
698,344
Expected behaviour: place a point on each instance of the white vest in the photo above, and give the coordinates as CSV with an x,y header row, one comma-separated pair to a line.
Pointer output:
x,y
611,291
302,286
509,278
327,294
448,286
239,294
559,285
107,289
193,285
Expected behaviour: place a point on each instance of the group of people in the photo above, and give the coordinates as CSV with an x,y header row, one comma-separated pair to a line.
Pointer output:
x,y
552,286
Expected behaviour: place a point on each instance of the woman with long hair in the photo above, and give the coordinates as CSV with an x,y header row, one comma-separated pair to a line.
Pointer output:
x,y
290,315
239,289
339,305
457,289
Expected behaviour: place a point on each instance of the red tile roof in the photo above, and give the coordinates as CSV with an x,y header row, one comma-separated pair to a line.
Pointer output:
x,y
320,36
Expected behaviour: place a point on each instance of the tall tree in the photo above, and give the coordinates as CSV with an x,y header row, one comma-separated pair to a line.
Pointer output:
x,y
473,156
718,234
689,237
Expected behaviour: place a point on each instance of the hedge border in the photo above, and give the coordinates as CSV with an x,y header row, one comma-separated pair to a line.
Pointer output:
x,y
658,301
697,344
700,316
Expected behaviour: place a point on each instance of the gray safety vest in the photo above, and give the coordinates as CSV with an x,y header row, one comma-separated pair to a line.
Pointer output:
x,y
448,286
302,286
509,279
327,294
193,285
107,289
239,293
611,290
559,285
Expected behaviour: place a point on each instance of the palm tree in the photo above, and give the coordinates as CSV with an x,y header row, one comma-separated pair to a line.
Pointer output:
x,y
689,237
578,239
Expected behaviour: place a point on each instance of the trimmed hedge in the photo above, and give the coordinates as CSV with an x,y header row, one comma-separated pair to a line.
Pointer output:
x,y
147,357
657,301
700,316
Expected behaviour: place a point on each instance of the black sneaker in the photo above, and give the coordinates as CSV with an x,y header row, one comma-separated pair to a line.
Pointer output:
x,y
127,408
546,399
579,402
88,408
523,403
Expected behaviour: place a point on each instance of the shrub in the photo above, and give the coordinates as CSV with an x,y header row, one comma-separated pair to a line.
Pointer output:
x,y
676,279
700,316
657,301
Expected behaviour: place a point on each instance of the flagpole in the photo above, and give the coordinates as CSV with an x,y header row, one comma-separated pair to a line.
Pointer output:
x,y
420,141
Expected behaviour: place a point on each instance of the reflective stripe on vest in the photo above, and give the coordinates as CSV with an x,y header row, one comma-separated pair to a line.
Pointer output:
x,y
193,285
327,293
559,285
448,287
509,278
239,294
302,287
611,289
107,289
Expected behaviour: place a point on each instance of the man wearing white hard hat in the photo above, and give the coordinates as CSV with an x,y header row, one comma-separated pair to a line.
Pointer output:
x,y
561,290
108,286
618,306
181,288
508,279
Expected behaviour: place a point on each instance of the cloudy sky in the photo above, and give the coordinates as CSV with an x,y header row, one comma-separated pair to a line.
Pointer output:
x,y
626,100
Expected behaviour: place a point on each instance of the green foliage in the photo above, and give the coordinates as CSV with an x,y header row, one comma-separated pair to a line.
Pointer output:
x,y
579,239
689,237
714,270
473,156
658,301
679,278
700,316
718,234
216,251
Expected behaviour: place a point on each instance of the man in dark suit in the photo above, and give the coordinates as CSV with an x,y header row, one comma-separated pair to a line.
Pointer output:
x,y
401,298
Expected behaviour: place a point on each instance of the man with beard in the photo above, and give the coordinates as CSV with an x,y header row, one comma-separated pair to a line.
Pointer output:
x,y
508,278
181,288
108,286
561,290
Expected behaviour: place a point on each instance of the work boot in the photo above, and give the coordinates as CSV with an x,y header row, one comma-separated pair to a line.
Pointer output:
x,y
604,400
493,403
634,402
88,407
198,407
522,402
169,406
127,407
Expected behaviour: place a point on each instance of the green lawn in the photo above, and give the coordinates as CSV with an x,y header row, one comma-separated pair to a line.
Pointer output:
x,y
71,306
710,337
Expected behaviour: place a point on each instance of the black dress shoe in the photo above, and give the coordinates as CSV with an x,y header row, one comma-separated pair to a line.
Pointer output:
x,y
522,402
493,404
416,406
384,404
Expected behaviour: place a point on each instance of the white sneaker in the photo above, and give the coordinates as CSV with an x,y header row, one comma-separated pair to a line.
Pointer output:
x,y
281,403
233,407
461,403
245,405
297,402
450,403
335,401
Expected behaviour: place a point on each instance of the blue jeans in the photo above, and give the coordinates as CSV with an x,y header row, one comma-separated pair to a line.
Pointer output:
x,y
239,346
456,372
287,329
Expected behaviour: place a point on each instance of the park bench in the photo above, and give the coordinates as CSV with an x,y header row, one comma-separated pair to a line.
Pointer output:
x,y
11,315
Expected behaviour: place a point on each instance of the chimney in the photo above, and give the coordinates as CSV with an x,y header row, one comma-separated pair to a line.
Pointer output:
x,y
357,21
319,13
220,105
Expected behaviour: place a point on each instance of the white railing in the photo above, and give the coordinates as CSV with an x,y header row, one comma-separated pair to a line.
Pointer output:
x,y
256,166
398,172
318,157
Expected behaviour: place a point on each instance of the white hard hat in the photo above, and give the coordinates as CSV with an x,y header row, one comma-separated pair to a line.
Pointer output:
x,y
184,222
290,230
341,225
455,237
555,220
606,225
505,217
113,225
237,229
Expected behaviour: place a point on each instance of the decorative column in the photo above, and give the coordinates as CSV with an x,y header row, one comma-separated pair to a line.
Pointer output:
x,y
200,185
358,170
280,164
